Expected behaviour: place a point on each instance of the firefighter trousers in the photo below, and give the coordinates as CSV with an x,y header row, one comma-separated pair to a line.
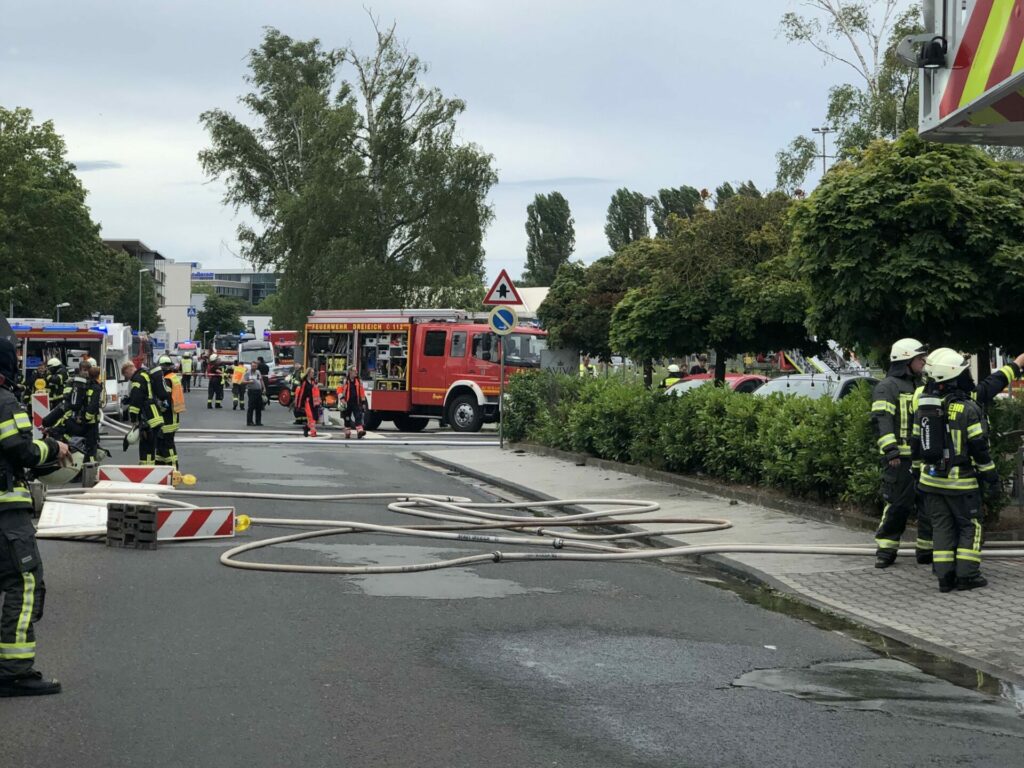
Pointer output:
x,y
147,445
215,391
956,520
899,491
22,592
166,451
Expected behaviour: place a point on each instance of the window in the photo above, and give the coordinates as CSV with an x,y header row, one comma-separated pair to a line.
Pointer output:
x,y
485,346
112,374
433,344
458,344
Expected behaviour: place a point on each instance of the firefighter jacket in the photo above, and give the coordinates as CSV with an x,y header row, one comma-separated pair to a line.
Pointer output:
x,y
142,405
18,452
56,383
351,389
967,458
307,392
172,417
94,397
987,390
892,411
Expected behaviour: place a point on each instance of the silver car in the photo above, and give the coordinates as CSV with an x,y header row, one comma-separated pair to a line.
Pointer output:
x,y
815,385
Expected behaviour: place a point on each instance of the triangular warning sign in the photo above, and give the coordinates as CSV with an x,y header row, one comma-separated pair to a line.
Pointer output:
x,y
503,291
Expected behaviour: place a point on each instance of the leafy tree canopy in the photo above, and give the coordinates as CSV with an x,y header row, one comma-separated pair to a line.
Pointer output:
x,y
550,238
915,239
627,218
361,189
220,314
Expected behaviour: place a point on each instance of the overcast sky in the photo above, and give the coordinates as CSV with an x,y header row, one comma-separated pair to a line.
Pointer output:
x,y
582,96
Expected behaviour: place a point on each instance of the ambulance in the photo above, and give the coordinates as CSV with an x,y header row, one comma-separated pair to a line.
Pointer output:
x,y
418,364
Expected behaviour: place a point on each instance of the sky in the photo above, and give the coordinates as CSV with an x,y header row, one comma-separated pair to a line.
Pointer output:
x,y
579,96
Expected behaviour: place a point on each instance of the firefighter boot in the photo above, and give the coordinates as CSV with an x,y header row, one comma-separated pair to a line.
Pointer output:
x,y
924,556
28,684
947,582
885,558
971,582
360,432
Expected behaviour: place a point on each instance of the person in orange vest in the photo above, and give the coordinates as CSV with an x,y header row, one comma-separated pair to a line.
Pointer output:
x,y
307,403
166,451
352,402
237,386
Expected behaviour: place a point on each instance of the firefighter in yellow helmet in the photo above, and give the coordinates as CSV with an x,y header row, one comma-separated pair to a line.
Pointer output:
x,y
950,437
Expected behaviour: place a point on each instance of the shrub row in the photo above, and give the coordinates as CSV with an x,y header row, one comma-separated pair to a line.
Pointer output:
x,y
810,448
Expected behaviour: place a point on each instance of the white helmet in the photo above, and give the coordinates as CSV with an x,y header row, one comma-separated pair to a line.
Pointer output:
x,y
213,358
907,349
673,368
54,362
945,364
132,438
164,360
61,474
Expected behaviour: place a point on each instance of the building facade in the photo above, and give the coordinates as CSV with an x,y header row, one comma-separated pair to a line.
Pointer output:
x,y
245,284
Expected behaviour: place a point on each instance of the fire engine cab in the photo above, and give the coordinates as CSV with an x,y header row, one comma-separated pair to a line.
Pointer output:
x,y
418,364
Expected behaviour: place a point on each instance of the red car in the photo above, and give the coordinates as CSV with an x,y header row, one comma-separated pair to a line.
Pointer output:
x,y
737,382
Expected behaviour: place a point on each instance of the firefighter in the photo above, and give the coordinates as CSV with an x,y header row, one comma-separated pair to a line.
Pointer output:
x,y
237,386
352,402
21,569
167,452
92,409
673,377
307,403
215,384
56,381
950,437
892,412
143,411
985,392
186,372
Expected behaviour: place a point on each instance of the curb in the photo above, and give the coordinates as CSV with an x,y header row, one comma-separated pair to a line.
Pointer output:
x,y
734,567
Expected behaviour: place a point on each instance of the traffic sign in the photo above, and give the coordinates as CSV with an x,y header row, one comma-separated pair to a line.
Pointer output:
x,y
503,291
192,312
502,320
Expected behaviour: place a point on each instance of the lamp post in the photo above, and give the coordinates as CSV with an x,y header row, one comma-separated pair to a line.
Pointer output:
x,y
10,293
824,131
58,308
141,272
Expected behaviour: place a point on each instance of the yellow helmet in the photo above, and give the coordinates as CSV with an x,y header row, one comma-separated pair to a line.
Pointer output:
x,y
945,364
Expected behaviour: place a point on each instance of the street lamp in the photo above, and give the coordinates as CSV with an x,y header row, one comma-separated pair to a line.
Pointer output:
x,y
62,304
141,271
824,131
10,292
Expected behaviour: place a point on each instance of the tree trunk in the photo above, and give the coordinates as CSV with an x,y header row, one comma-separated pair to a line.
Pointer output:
x,y
648,373
720,355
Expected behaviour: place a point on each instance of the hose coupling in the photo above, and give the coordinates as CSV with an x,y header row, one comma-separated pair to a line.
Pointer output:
x,y
496,555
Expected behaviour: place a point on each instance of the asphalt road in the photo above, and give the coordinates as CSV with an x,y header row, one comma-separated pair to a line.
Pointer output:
x,y
170,659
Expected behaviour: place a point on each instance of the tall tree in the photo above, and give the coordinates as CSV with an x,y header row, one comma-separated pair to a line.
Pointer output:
x,y
627,218
915,239
861,35
50,249
220,314
550,238
725,286
362,192
682,202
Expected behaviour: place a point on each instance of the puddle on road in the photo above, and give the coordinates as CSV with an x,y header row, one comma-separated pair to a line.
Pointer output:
x,y
887,685
446,584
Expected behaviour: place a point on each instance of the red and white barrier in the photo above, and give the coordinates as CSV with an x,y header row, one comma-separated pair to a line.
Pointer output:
x,y
199,523
40,407
162,475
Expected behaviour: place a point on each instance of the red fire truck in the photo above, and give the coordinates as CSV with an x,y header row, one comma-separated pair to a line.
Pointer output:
x,y
418,364
284,345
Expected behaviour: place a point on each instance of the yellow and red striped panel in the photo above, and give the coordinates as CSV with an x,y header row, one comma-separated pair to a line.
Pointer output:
x,y
991,50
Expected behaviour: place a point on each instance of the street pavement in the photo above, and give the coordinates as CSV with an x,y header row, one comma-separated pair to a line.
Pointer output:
x,y
982,628
170,659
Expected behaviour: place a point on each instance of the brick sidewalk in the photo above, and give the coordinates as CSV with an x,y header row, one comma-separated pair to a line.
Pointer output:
x,y
983,629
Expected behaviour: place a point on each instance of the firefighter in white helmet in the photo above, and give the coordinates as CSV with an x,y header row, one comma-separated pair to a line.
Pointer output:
x,y
950,438
672,377
892,412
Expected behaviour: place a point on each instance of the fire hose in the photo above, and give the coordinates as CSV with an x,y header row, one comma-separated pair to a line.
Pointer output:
x,y
462,520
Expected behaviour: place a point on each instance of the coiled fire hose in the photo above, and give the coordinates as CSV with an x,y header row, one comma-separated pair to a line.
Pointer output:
x,y
462,520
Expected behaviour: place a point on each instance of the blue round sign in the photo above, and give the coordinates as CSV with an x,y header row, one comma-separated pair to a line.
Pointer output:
x,y
502,320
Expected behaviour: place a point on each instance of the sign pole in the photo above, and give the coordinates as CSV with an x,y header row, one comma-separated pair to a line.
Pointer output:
x,y
501,398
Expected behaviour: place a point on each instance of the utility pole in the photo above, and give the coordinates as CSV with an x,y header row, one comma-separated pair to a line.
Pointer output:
x,y
824,131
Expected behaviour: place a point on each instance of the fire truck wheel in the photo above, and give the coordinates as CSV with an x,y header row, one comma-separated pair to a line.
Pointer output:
x,y
410,423
372,420
465,414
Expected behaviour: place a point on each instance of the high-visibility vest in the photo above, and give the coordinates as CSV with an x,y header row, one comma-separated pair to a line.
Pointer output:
x,y
238,374
186,365
177,392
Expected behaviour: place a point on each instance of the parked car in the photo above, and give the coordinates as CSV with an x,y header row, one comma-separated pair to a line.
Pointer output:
x,y
815,385
278,379
737,382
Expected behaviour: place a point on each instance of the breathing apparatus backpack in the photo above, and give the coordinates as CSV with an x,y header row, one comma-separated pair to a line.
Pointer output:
x,y
932,414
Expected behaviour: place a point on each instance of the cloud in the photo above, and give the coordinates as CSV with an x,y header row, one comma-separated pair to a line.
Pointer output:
x,y
95,165
558,181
